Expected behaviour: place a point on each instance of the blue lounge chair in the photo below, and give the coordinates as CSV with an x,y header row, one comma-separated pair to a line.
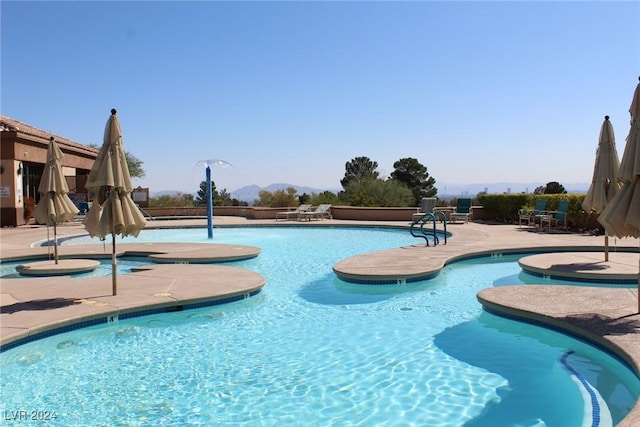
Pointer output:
x,y
529,217
463,210
556,217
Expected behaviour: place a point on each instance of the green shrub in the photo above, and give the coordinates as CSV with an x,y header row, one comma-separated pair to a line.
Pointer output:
x,y
324,197
378,193
502,207
505,207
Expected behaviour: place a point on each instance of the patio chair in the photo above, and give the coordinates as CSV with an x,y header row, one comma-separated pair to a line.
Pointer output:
x,y
322,211
83,208
529,217
426,207
292,214
556,217
463,210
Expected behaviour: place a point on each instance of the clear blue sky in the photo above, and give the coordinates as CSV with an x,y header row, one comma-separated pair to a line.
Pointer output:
x,y
478,92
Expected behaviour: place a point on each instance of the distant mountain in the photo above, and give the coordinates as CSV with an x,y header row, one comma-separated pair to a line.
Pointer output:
x,y
252,192
455,189
246,194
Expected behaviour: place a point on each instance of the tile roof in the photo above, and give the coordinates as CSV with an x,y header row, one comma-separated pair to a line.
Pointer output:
x,y
8,124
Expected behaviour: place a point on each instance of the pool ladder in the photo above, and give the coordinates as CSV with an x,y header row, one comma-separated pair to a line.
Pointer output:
x,y
419,227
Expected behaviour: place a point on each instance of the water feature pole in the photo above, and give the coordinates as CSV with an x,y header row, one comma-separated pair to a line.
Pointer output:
x,y
207,164
209,204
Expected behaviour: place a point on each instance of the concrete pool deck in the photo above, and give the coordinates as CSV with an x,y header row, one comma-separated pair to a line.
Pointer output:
x,y
606,316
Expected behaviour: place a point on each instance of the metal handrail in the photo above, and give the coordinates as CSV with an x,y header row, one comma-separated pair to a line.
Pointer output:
x,y
145,213
425,234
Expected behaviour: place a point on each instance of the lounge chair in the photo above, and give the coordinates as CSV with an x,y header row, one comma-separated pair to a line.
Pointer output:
x,y
556,217
292,214
529,217
426,207
463,210
322,211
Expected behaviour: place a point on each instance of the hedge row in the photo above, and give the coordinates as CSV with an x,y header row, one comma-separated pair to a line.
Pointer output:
x,y
505,207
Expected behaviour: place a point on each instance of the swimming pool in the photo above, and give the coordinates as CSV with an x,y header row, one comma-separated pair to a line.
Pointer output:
x,y
313,350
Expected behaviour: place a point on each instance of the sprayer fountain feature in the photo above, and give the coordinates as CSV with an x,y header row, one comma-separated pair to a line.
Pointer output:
x,y
207,164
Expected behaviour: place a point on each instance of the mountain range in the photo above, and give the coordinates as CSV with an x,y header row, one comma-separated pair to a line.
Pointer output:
x,y
446,191
251,192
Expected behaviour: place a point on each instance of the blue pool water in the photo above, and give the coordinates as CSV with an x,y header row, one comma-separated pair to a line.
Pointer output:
x,y
313,350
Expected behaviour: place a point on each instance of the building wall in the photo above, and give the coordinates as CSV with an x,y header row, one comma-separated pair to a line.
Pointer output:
x,y
11,197
24,148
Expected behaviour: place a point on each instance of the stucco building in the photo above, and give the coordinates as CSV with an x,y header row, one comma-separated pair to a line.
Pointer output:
x,y
23,154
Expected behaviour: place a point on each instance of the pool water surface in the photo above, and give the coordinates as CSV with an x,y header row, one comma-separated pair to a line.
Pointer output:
x,y
311,349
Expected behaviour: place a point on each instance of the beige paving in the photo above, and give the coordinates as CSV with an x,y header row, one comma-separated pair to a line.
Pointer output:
x,y
590,266
606,316
51,267
416,261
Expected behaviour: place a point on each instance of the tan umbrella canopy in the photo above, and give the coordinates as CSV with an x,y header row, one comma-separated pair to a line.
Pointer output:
x,y
621,217
54,206
604,184
113,212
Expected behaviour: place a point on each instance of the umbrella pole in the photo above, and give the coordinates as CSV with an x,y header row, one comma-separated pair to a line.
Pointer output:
x,y
606,247
55,243
114,265
48,242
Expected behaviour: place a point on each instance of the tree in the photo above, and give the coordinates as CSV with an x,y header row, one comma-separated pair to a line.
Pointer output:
x,y
554,187
180,200
224,198
376,192
324,197
201,197
237,202
133,163
278,199
221,198
304,198
415,176
358,169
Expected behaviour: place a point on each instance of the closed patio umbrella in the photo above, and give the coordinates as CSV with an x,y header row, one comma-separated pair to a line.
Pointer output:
x,y
604,184
113,211
54,205
621,217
